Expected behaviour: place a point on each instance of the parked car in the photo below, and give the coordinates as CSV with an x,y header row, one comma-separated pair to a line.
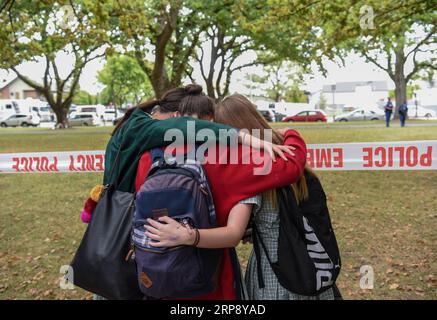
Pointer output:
x,y
360,115
307,116
84,119
268,115
24,120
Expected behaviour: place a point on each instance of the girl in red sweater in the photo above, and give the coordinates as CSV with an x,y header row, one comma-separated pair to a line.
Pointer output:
x,y
230,183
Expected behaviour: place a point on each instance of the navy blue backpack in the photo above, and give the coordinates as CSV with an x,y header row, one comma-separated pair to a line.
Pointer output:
x,y
180,191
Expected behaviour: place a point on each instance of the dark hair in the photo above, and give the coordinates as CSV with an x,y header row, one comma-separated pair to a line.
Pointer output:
x,y
196,103
169,102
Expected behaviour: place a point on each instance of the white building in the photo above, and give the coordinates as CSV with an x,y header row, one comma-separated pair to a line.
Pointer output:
x,y
357,94
427,96
17,89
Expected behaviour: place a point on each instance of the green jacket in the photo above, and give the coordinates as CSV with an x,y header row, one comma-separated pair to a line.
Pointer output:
x,y
138,134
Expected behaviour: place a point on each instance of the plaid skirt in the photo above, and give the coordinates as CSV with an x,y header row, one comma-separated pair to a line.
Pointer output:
x,y
266,218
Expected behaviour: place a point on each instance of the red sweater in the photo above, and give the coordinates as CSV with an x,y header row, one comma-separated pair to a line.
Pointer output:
x,y
231,183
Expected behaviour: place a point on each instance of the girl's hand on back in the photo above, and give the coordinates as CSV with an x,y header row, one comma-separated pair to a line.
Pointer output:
x,y
277,149
271,148
168,233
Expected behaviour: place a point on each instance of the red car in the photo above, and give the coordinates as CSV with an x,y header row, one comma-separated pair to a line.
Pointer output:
x,y
307,116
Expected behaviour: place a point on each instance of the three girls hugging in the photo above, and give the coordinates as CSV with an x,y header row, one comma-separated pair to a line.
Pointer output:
x,y
244,162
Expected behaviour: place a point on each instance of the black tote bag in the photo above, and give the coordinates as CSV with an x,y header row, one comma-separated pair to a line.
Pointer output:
x,y
100,265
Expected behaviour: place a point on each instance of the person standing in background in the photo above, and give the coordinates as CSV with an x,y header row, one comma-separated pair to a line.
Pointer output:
x,y
403,112
388,111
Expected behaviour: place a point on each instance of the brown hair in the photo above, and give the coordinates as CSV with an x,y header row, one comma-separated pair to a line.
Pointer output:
x,y
169,102
197,103
237,111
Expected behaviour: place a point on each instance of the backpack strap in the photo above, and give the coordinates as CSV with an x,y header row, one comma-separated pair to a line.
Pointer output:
x,y
156,154
197,170
156,160
115,163
257,240
238,279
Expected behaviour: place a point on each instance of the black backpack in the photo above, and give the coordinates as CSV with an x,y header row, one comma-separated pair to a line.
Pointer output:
x,y
308,255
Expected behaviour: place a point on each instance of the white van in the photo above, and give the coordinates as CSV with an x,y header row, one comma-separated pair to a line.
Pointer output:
x,y
44,112
35,108
97,109
8,108
86,109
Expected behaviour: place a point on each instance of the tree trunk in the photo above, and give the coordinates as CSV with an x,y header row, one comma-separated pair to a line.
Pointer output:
x,y
400,80
160,82
277,97
210,89
61,116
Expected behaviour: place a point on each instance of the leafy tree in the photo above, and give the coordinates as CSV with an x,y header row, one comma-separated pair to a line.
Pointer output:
x,y
124,81
227,42
393,52
161,36
165,37
379,30
410,91
83,98
41,31
322,102
280,81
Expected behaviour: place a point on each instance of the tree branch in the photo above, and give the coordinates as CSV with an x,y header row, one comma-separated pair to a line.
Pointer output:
x,y
376,63
422,42
416,67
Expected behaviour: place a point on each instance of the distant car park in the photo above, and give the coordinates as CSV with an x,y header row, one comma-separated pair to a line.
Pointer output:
x,y
23,120
307,116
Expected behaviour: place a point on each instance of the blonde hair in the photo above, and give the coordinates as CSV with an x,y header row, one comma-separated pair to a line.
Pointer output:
x,y
237,111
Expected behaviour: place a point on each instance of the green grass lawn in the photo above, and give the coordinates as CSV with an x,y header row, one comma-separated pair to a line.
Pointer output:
x,y
387,220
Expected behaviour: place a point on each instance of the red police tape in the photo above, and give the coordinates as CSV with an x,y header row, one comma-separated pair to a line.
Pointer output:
x,y
399,155
69,161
